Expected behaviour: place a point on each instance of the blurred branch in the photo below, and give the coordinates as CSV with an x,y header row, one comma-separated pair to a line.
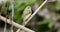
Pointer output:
x,y
15,24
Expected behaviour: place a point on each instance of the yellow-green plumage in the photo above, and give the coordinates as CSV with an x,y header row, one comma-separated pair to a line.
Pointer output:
x,y
26,13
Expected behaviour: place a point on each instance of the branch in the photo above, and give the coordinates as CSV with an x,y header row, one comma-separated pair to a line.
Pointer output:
x,y
35,12
15,24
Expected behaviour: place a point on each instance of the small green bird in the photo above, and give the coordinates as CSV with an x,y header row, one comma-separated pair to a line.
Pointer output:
x,y
26,13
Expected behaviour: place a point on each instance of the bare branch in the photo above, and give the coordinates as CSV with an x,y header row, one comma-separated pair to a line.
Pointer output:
x,y
15,24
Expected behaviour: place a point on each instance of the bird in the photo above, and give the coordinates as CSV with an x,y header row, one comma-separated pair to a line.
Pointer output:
x,y
26,13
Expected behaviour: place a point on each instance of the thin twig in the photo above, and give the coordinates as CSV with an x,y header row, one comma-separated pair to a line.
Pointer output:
x,y
4,7
35,12
15,24
12,3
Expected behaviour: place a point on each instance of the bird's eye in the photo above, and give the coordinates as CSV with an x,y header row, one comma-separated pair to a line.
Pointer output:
x,y
28,7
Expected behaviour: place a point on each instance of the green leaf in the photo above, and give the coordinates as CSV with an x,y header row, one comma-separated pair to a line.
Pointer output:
x,y
45,21
50,25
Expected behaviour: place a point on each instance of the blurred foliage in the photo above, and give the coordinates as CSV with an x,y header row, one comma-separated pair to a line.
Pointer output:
x,y
43,28
20,6
58,30
58,5
39,1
